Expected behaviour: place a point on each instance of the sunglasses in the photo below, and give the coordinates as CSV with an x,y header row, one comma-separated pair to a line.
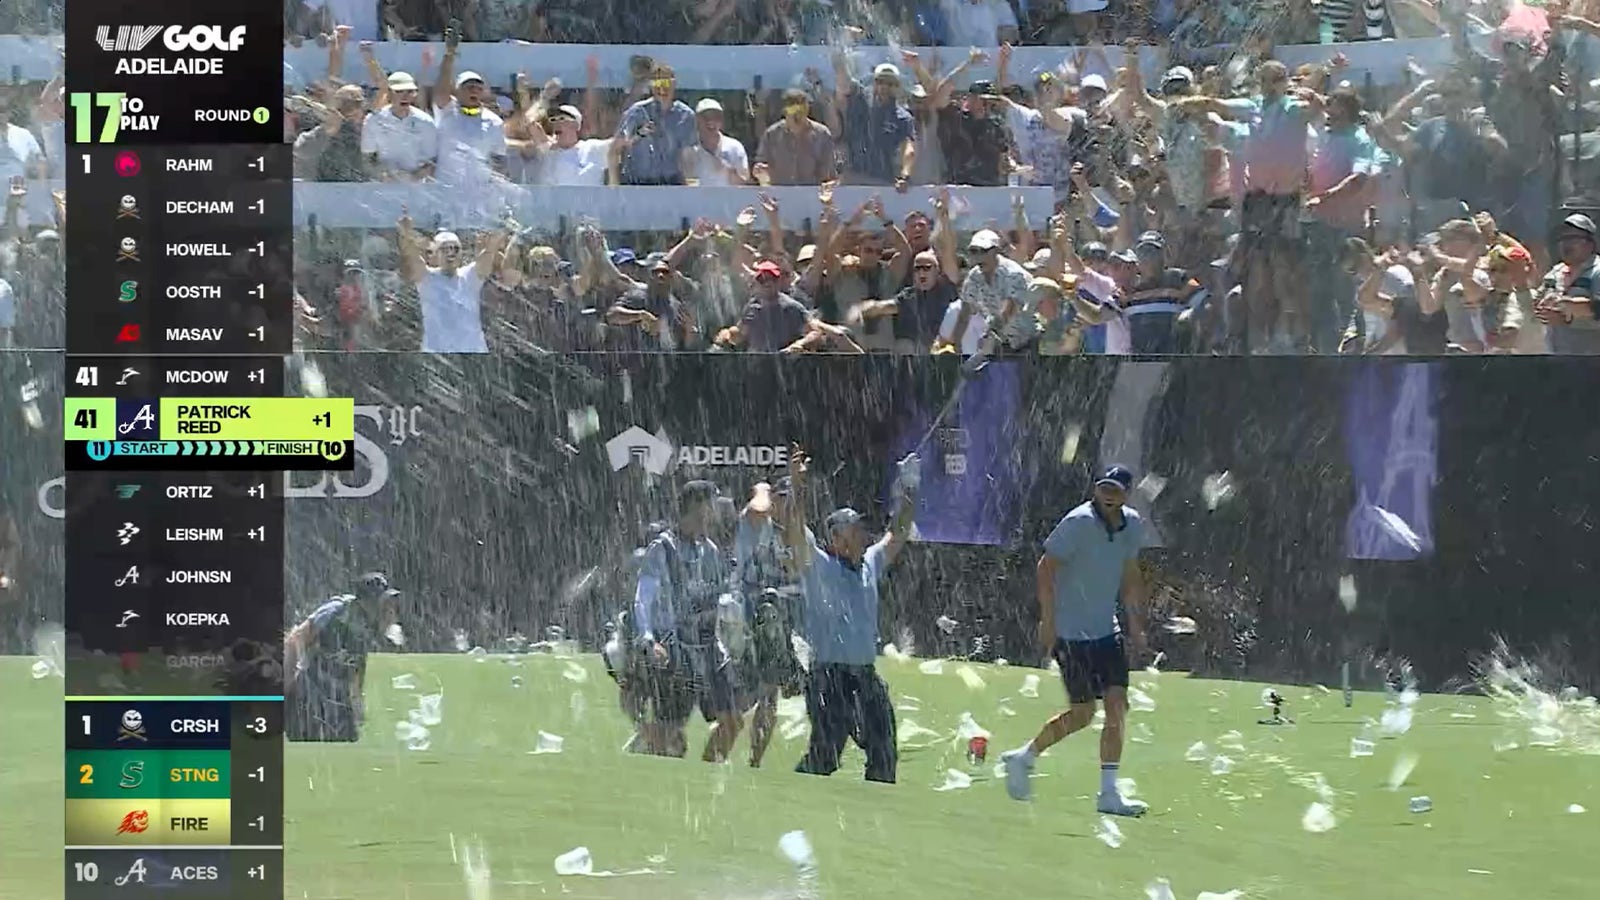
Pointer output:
x,y
795,108
925,267
661,84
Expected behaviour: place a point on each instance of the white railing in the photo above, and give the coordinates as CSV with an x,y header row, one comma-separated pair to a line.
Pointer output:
x,y
735,68
378,205
630,208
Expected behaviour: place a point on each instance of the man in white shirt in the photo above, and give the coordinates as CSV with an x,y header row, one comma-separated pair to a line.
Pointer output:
x,y
401,141
20,153
570,160
962,330
715,160
472,137
451,295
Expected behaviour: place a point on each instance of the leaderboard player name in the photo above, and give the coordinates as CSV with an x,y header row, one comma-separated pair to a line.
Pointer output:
x,y
203,418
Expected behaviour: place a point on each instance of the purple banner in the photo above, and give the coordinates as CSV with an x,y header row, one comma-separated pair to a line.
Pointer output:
x,y
1391,436
970,465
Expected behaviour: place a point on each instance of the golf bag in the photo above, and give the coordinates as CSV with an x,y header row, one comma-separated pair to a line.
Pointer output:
x,y
643,684
772,657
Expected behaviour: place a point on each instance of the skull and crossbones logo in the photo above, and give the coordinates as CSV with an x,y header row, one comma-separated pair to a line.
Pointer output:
x,y
128,208
128,250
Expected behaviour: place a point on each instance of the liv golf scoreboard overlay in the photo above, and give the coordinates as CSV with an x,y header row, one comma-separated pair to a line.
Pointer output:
x,y
177,215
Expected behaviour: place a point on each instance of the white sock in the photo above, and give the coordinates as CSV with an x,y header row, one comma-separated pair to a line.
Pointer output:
x,y
1108,778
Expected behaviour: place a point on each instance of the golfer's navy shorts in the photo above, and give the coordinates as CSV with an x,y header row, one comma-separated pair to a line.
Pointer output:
x,y
1089,667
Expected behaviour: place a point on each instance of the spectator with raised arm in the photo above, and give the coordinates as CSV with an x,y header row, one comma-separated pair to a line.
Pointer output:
x,y
919,308
472,137
449,292
401,142
653,316
655,132
879,133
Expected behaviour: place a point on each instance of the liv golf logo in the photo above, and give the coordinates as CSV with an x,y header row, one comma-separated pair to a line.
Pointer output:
x,y
656,454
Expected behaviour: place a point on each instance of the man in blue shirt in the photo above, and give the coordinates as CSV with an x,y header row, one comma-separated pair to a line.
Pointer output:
x,y
845,698
325,663
878,132
674,625
1090,561
655,131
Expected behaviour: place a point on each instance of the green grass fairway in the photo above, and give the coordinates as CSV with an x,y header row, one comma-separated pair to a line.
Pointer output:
x,y
374,821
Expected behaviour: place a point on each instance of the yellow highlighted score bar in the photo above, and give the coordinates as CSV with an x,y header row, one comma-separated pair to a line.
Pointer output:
x,y
257,419
137,822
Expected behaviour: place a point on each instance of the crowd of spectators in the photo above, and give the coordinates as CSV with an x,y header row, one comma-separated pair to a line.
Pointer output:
x,y
1193,24
1226,204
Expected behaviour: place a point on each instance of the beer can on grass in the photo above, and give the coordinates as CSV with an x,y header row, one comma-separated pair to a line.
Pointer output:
x,y
977,750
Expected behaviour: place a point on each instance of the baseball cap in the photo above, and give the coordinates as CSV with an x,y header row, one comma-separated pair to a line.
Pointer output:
x,y
567,112
467,76
1150,240
842,518
656,260
1579,222
1095,250
352,265
806,254
402,81
1125,256
1042,256
886,72
783,487
984,240
1117,475
983,89
768,267
622,256
709,104
446,237
1095,81
1178,73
